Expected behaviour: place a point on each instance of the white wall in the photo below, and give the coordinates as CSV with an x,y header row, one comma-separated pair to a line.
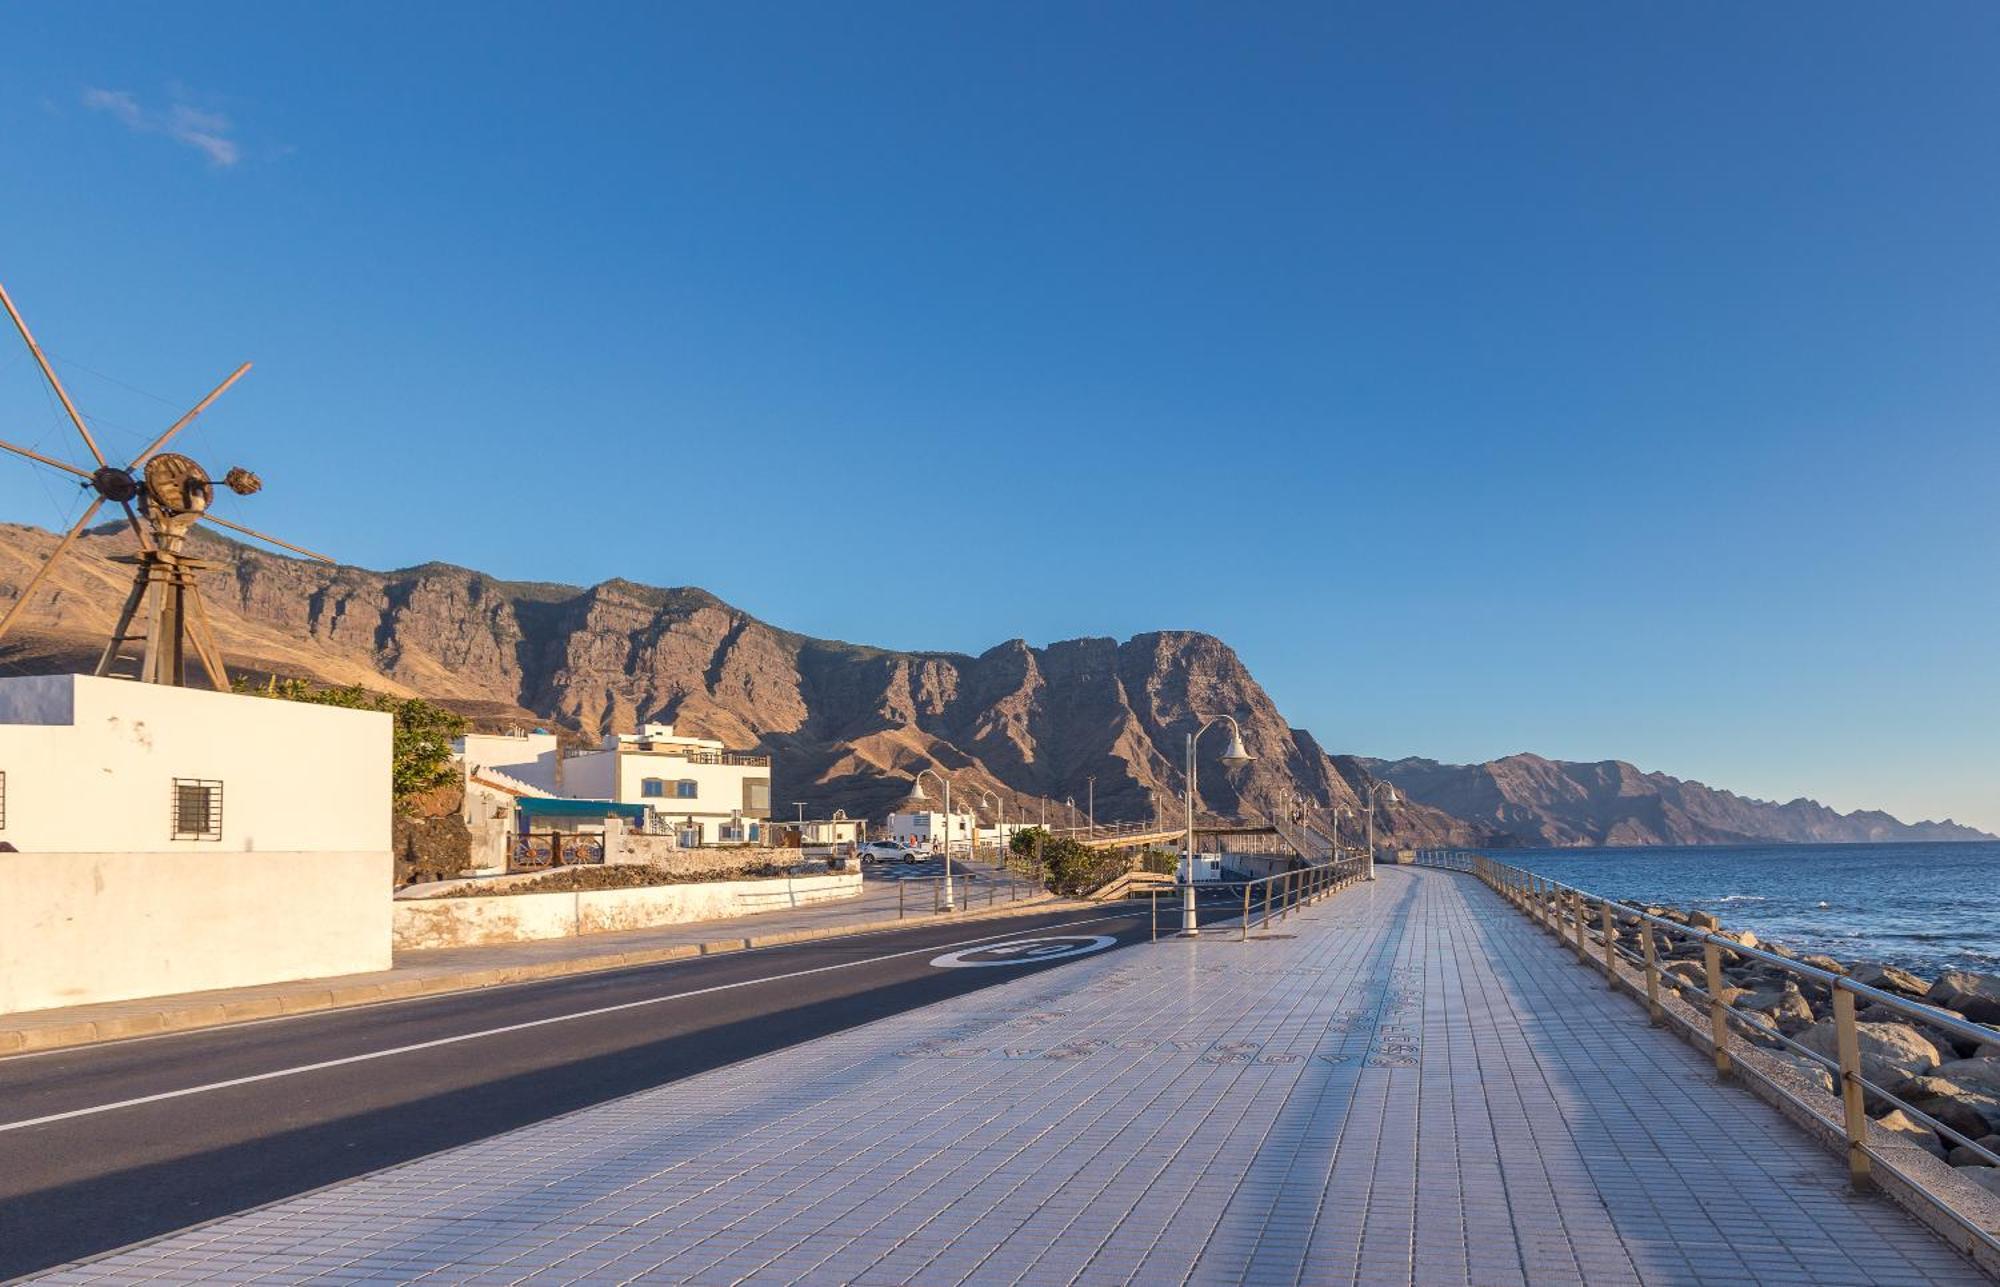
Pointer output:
x,y
921,828
90,765
529,757
101,903
77,928
515,918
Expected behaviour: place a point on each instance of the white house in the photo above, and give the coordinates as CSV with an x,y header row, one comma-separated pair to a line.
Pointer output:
x,y
929,829
533,759
694,786
162,840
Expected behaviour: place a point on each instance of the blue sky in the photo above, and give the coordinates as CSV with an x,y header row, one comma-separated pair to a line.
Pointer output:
x,y
1599,380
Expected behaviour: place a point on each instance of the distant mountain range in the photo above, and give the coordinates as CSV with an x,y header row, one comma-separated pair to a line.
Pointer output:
x,y
849,724
1530,801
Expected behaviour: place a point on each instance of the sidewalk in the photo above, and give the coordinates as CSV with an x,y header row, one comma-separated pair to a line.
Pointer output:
x,y
458,969
1407,1083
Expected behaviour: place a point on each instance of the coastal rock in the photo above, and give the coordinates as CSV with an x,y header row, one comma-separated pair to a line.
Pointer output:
x,y
1985,1177
1691,971
1976,996
1745,937
1971,1113
1821,961
1787,1007
1963,1156
1889,978
1815,1073
1977,1074
1703,920
1911,1131
1890,1052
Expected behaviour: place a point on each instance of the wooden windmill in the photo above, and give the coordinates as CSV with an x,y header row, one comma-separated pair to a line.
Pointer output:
x,y
164,494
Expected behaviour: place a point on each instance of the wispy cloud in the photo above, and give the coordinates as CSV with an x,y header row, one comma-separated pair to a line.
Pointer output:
x,y
206,132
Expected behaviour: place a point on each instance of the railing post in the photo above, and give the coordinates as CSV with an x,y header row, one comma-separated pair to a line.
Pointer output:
x,y
901,885
1718,1013
1576,915
1268,883
1156,913
1610,945
1246,913
1847,1040
1652,975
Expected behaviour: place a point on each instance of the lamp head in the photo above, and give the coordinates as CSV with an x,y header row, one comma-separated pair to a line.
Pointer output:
x,y
1236,752
917,795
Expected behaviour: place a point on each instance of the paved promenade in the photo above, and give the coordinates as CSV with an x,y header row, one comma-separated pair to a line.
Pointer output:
x,y
1418,1087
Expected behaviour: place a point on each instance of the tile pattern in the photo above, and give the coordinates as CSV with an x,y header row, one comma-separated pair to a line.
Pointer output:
x,y
1405,1084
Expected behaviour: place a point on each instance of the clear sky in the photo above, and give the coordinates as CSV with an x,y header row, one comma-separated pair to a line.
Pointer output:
x,y
1599,380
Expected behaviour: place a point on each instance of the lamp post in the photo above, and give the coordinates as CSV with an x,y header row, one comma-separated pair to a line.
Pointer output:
x,y
999,826
917,795
1333,816
1069,802
1374,787
1233,754
1092,795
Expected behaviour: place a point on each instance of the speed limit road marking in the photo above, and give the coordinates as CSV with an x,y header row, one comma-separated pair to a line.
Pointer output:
x,y
1025,951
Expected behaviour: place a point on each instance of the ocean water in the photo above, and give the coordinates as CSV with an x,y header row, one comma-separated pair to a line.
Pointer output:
x,y
1925,907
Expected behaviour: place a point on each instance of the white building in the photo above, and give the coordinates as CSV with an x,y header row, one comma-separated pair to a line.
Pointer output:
x,y
931,829
162,839
533,759
694,786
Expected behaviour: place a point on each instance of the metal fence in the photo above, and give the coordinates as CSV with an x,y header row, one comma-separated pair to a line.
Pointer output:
x,y
1568,912
1258,904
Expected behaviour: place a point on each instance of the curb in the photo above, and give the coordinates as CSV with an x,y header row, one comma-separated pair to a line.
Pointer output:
x,y
210,1014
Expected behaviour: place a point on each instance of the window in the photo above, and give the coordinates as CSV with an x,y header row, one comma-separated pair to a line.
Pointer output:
x,y
686,789
653,788
197,809
757,795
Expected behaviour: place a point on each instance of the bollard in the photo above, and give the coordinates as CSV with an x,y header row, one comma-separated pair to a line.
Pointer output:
x,y
900,913
1718,1013
1610,947
1652,975
1847,1040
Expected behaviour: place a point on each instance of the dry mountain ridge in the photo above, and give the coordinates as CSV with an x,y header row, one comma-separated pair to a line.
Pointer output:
x,y
850,724
1529,800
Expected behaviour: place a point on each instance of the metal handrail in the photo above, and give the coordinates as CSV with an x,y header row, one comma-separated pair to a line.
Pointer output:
x,y
1280,893
1559,908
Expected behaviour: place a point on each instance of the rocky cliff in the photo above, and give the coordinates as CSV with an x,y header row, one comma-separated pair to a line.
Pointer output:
x,y
1530,801
849,725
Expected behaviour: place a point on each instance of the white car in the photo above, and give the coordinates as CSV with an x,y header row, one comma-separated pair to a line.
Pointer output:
x,y
888,851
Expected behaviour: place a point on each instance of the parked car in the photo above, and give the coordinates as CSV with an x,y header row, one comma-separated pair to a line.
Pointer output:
x,y
888,851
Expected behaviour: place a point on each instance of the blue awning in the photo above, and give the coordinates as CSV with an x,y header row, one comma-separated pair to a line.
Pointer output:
x,y
543,807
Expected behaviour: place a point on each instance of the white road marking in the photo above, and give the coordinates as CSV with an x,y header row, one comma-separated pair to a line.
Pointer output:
x,y
1025,951
488,1032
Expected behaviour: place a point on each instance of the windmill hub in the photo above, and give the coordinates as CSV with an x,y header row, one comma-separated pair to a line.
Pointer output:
x,y
114,484
177,484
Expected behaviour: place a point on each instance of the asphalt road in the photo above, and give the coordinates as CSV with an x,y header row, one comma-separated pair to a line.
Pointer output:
x,y
103,1146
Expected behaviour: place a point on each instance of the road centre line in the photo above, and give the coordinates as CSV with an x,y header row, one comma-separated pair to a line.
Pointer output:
x,y
275,1074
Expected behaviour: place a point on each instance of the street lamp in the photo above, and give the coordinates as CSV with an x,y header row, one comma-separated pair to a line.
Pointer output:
x,y
999,826
1334,815
1377,785
917,796
1233,754
1092,781
1069,802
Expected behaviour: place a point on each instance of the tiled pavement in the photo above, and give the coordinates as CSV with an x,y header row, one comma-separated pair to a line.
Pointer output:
x,y
1417,1088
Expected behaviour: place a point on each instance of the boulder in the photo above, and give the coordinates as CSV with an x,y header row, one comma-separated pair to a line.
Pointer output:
x,y
1779,949
1976,996
1974,1074
1972,1113
1890,1052
1889,978
1745,937
1821,961
1793,1012
1703,920
1814,1072
1963,1156
1908,1129
1691,971
1986,1177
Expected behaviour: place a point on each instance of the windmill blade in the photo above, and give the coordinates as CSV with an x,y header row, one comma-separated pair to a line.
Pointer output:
x,y
29,589
21,325
185,420
271,540
46,460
